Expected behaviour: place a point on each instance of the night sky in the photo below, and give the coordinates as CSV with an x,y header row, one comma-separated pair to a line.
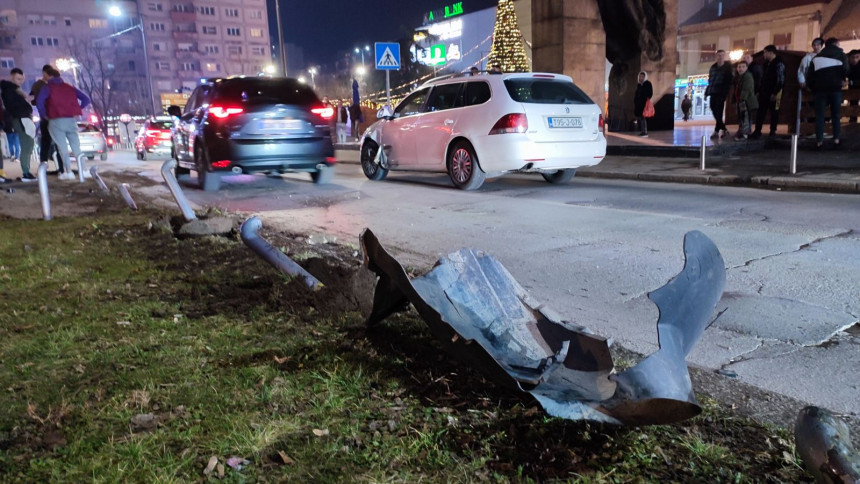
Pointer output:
x,y
323,28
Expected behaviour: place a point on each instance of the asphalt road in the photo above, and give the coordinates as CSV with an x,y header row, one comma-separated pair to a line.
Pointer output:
x,y
592,249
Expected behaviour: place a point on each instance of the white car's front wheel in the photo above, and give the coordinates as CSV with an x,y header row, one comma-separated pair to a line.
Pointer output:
x,y
372,170
463,167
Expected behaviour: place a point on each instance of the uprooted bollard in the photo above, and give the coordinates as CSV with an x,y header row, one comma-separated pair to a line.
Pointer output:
x,y
81,166
178,194
123,190
824,445
94,171
251,237
479,312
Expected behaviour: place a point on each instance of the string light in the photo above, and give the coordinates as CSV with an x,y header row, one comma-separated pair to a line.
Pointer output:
x,y
507,50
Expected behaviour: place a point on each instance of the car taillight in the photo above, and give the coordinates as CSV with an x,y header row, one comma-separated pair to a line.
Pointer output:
x,y
325,112
222,112
600,122
164,134
511,123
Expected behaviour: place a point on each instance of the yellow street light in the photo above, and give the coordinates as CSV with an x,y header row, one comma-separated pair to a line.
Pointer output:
x,y
736,55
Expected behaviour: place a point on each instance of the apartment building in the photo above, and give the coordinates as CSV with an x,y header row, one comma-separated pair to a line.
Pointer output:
x,y
185,40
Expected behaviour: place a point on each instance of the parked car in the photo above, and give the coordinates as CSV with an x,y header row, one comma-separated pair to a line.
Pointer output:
x,y
154,138
253,124
487,126
93,141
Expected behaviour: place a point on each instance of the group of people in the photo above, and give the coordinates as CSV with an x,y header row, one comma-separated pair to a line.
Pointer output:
x,y
58,104
756,90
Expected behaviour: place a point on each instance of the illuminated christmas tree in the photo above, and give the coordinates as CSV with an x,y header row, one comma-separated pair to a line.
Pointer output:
x,y
507,49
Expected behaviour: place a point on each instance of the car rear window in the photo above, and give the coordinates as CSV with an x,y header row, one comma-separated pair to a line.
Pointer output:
x,y
160,125
266,91
85,128
545,91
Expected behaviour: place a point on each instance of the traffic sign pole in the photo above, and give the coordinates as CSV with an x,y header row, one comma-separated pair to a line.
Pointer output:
x,y
388,87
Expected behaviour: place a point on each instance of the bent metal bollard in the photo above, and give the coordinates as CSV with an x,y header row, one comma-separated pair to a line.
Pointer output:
x,y
94,171
480,313
81,166
250,236
178,194
824,445
123,189
42,174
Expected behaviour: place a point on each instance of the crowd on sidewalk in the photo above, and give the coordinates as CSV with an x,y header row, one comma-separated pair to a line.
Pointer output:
x,y
756,90
58,104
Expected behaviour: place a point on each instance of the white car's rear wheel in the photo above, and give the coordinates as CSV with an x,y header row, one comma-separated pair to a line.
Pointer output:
x,y
463,167
372,170
560,176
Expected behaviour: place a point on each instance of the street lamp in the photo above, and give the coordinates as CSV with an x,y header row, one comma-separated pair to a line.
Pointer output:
x,y
302,79
362,51
360,71
65,64
269,70
312,71
115,11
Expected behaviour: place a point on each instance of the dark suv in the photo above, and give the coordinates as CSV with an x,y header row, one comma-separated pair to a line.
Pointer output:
x,y
252,124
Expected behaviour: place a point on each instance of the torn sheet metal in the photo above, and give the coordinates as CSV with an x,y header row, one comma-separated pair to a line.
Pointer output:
x,y
479,312
824,444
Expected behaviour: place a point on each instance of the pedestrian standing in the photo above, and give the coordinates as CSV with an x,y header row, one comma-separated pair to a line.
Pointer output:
x,y
342,118
854,79
827,75
817,45
686,106
644,93
745,99
719,82
46,144
12,139
755,69
21,112
61,103
770,94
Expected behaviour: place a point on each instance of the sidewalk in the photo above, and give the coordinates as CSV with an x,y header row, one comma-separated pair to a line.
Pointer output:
x,y
674,156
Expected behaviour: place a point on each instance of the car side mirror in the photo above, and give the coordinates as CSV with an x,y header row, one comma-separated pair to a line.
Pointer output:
x,y
174,111
385,113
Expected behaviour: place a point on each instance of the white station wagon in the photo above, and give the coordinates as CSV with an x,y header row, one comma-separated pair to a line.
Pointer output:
x,y
486,126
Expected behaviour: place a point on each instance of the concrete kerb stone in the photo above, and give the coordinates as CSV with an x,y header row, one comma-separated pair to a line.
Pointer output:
x,y
826,184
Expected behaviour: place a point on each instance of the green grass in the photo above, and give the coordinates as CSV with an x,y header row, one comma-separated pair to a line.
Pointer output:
x,y
105,319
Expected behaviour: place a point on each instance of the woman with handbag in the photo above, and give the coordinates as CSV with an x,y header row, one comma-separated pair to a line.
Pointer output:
x,y
746,101
642,107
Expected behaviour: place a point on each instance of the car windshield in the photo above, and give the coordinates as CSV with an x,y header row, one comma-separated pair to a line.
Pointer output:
x,y
545,91
87,128
266,91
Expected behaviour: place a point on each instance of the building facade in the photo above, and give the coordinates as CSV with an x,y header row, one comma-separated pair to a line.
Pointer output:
x,y
185,40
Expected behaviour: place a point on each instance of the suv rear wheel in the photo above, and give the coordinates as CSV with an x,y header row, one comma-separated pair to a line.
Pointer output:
x,y
463,167
560,176
372,170
323,174
208,181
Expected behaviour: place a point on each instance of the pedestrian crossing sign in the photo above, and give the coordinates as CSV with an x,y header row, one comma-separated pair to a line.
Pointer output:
x,y
387,56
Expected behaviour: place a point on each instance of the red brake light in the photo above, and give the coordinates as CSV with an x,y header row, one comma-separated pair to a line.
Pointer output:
x,y
325,112
600,122
511,123
222,112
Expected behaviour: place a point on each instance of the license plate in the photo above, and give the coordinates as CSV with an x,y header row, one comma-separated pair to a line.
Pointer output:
x,y
280,124
567,122
87,147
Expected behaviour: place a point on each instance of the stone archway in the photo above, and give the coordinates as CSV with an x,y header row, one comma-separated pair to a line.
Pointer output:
x,y
576,37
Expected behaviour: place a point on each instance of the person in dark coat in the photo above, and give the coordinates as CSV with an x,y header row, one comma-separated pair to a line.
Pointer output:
x,y
854,77
47,149
644,92
755,69
686,106
21,113
745,99
827,75
719,83
770,92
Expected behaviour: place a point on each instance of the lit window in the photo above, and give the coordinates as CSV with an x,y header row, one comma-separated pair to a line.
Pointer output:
x,y
98,23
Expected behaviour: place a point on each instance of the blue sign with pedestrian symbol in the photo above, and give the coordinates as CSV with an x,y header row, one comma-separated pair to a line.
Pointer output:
x,y
387,56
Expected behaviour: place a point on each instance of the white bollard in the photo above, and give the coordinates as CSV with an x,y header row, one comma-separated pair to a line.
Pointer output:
x,y
703,152
793,167
178,194
94,171
123,190
42,175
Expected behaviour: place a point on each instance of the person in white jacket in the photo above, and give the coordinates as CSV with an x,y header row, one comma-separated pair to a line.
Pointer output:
x,y
817,45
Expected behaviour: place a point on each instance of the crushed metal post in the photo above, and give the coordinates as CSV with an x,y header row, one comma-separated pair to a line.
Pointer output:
x,y
250,233
824,445
480,313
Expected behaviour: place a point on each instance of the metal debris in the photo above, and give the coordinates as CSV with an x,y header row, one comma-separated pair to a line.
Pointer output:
x,y
250,236
479,312
824,445
176,190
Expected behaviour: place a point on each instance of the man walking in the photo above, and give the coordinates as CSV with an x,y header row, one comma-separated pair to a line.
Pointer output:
x,y
719,83
827,75
61,103
21,114
46,144
770,93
